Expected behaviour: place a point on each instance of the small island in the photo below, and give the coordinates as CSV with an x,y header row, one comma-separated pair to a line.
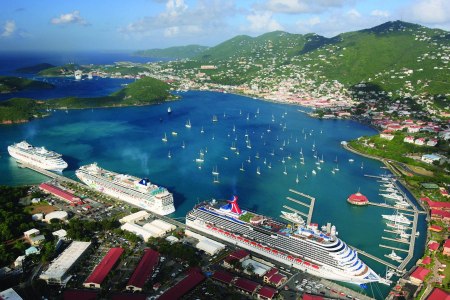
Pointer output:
x,y
9,84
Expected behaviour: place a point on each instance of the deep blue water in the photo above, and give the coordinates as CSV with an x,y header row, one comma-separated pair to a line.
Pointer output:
x,y
129,140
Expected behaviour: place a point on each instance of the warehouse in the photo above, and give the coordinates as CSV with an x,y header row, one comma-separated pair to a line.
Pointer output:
x,y
103,268
167,227
60,193
140,215
137,230
59,267
145,268
154,230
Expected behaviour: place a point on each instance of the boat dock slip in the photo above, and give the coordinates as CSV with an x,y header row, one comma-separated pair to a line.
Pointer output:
x,y
412,242
397,208
395,240
381,261
393,248
310,206
47,173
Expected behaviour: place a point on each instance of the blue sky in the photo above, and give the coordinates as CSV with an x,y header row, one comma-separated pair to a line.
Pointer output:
x,y
144,24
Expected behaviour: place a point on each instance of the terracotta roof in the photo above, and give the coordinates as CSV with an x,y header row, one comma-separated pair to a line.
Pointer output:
x,y
426,260
271,272
267,292
144,269
441,213
435,228
59,192
194,278
447,243
438,294
311,297
223,276
436,204
433,246
102,269
420,273
246,285
276,278
239,254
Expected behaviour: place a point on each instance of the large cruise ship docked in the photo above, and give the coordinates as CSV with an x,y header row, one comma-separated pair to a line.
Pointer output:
x,y
138,192
37,156
302,246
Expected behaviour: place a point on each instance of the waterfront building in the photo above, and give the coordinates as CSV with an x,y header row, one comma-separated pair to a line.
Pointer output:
x,y
187,284
137,216
418,276
357,199
144,270
103,268
60,194
438,294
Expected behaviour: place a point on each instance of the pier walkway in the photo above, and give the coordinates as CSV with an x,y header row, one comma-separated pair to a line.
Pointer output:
x,y
396,208
381,261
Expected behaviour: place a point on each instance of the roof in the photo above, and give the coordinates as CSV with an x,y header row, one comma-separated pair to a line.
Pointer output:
x,y
441,213
276,278
102,269
138,230
142,214
438,294
79,294
223,276
144,269
194,278
65,260
435,228
420,273
447,243
209,246
239,254
59,192
246,285
31,231
433,245
311,297
358,197
267,292
426,260
125,296
271,272
163,225
10,294
436,204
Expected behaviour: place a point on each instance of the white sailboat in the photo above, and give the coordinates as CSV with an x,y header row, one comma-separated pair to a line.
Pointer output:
x,y
285,171
188,124
297,180
201,157
169,155
242,168
313,172
183,145
233,146
215,171
269,165
216,178
214,118
258,171
202,131
164,139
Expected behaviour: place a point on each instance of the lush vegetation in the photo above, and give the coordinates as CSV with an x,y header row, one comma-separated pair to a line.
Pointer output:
x,y
10,84
141,92
35,68
180,52
18,110
60,70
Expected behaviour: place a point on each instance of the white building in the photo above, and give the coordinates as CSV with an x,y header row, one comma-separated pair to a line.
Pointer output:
x,y
140,215
137,230
10,294
154,230
59,214
167,227
209,246
30,233
57,272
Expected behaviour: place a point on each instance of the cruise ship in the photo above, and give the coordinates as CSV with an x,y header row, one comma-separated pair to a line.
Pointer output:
x,y
299,245
138,192
37,156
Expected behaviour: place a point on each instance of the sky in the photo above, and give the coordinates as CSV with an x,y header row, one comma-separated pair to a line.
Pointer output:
x,y
113,25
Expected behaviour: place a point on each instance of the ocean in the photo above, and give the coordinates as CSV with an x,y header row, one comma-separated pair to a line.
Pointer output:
x,y
269,137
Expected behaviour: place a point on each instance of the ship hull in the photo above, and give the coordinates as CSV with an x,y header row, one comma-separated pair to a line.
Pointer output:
x,y
123,196
31,159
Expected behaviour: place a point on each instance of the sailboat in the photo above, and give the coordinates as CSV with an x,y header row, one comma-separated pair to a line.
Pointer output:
x,y
257,171
233,146
216,178
164,139
188,124
214,118
242,168
297,180
202,131
270,165
169,155
249,145
249,160
306,175
321,160
201,158
257,155
337,168
268,130
285,171
248,117
215,171
169,110
183,145
313,172
362,165
234,128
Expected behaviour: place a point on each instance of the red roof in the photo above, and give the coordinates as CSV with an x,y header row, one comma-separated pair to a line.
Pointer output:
x,y
79,294
267,292
276,278
435,228
358,197
246,285
145,268
59,192
223,276
128,296
102,269
420,273
441,213
239,254
311,297
436,204
447,243
194,278
271,272
426,260
433,246
438,294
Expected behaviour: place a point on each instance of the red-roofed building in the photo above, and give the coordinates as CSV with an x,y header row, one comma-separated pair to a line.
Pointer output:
x,y
60,193
433,246
223,276
277,279
358,199
145,268
245,285
442,215
229,261
240,254
269,274
194,278
79,294
418,276
446,250
311,297
435,228
436,204
426,260
103,268
266,293
438,294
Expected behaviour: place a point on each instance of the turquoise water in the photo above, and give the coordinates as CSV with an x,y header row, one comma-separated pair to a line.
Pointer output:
x,y
129,140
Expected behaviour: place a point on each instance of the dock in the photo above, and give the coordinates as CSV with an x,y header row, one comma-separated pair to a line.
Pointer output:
x,y
393,248
396,208
381,261
395,240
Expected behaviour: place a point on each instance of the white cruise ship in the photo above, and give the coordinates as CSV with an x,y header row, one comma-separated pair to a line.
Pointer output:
x,y
304,247
138,192
37,156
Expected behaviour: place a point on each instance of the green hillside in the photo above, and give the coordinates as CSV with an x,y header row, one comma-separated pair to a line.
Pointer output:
x,y
173,52
35,68
18,110
10,84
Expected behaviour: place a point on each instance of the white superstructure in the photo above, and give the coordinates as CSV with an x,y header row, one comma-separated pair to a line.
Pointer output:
x,y
138,192
37,156
397,218
303,247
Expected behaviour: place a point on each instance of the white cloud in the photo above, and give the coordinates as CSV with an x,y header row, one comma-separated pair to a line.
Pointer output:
x,y
302,6
353,13
207,17
9,28
430,11
70,18
379,13
263,22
